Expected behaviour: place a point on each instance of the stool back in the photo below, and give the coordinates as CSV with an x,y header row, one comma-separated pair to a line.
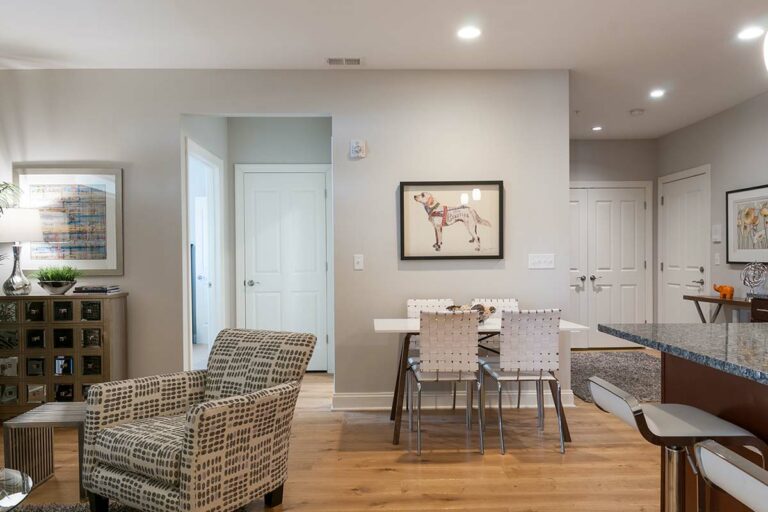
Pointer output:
x,y
615,401
448,342
530,340
729,471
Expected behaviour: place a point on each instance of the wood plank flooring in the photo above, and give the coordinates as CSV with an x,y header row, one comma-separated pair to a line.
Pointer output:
x,y
344,461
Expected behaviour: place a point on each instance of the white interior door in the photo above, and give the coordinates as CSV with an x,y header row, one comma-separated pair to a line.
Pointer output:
x,y
684,259
285,255
578,305
616,254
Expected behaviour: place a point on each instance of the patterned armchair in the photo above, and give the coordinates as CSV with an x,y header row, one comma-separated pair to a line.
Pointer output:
x,y
210,440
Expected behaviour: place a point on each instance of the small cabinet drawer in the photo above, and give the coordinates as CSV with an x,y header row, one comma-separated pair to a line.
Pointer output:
x,y
91,365
35,338
63,338
63,311
34,311
9,339
9,312
91,337
90,311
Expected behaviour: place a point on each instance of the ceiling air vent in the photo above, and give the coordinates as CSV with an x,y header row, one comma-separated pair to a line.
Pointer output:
x,y
343,61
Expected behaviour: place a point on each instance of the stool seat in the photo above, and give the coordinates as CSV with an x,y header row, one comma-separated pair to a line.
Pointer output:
x,y
678,420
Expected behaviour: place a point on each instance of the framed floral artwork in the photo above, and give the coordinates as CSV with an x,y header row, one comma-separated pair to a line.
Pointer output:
x,y
747,224
81,211
442,220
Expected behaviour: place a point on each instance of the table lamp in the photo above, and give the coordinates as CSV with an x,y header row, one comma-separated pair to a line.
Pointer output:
x,y
19,225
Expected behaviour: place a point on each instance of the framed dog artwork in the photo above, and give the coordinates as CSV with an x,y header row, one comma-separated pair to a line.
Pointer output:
x,y
444,220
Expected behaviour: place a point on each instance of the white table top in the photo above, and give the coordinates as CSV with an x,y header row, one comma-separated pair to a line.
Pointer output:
x,y
411,325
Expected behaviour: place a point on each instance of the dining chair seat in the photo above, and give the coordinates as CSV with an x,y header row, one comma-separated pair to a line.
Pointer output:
x,y
499,374
443,376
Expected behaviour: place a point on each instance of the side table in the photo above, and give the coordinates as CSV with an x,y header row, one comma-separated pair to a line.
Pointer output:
x,y
28,439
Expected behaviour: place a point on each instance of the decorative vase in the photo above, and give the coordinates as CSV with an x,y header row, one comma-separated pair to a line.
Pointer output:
x,y
57,287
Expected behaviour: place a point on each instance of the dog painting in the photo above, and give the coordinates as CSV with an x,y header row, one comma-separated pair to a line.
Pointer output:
x,y
443,216
451,220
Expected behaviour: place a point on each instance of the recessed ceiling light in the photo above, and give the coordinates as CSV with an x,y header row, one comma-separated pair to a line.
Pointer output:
x,y
658,93
597,128
469,32
749,33
636,112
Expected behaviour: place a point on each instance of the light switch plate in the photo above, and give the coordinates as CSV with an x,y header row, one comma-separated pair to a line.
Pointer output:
x,y
717,233
541,261
358,262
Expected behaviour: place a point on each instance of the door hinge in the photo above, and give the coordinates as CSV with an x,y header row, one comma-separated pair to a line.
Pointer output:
x,y
325,192
662,266
645,205
645,264
662,200
326,339
326,266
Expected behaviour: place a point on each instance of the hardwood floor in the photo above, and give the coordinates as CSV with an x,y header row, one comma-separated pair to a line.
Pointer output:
x,y
344,461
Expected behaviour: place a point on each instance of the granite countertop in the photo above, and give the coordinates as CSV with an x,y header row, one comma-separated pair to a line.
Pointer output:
x,y
740,348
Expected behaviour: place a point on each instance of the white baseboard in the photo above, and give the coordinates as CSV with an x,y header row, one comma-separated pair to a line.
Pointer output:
x,y
442,400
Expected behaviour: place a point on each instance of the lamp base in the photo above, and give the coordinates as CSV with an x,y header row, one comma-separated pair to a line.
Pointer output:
x,y
17,283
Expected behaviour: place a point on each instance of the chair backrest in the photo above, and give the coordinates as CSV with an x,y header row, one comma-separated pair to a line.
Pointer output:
x,y
448,341
243,361
614,400
759,310
416,306
530,340
499,304
729,471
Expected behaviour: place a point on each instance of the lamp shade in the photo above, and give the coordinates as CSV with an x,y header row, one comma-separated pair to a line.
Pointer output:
x,y
20,225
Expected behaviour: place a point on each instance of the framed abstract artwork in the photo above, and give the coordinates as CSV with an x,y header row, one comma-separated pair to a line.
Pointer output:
x,y
82,217
451,220
747,224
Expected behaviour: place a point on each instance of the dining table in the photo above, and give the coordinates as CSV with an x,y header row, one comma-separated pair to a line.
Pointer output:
x,y
409,327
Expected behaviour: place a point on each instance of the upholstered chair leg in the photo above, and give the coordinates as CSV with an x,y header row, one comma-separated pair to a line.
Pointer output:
x,y
274,498
98,503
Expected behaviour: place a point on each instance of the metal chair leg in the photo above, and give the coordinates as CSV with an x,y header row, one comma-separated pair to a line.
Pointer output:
x,y
409,398
559,409
469,405
501,422
540,403
418,418
673,480
453,386
519,392
480,419
481,394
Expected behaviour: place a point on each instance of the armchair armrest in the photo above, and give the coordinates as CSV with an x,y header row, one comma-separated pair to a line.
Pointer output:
x,y
112,403
235,442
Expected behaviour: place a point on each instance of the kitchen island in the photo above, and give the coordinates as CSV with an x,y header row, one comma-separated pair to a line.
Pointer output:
x,y
720,368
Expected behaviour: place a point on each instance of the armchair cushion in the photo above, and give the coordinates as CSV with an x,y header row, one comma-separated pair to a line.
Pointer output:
x,y
244,361
150,447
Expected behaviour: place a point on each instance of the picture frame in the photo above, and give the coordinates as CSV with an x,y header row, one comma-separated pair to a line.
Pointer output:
x,y
747,224
451,220
82,216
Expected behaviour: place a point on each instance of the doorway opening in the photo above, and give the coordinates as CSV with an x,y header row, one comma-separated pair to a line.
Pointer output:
x,y
204,176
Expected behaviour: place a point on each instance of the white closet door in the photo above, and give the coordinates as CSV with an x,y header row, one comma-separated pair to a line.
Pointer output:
x,y
285,255
578,305
684,224
616,253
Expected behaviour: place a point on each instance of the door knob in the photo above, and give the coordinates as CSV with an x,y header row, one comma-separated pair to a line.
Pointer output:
x,y
594,278
582,278
699,282
251,282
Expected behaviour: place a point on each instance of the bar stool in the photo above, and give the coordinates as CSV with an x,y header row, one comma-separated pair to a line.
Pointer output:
x,y
733,474
675,427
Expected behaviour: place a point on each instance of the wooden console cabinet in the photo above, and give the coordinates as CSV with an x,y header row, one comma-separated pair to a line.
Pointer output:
x,y
53,347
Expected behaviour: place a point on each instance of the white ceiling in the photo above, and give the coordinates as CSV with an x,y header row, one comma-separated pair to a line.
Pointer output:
x,y
617,49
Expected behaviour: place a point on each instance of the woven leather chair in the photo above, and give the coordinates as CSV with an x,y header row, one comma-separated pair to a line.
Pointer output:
x,y
208,440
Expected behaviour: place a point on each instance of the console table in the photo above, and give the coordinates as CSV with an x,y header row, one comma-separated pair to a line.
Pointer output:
x,y
735,303
54,347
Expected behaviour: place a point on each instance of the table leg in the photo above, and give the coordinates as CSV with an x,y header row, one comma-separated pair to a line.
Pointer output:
x,y
80,442
717,312
400,387
700,312
397,381
559,404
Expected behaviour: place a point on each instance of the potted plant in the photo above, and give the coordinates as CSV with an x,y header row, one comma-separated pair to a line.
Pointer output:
x,y
57,280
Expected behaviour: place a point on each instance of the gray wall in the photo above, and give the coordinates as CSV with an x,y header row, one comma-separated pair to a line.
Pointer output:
x,y
280,140
419,125
614,160
734,143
